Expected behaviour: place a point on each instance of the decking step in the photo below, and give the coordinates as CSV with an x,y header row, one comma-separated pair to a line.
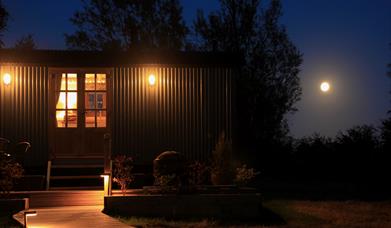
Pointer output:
x,y
73,166
74,177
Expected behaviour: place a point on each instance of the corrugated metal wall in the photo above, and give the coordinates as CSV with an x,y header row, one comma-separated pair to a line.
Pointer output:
x,y
185,110
24,109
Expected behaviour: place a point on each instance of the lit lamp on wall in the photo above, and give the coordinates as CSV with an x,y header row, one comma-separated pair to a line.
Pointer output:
x,y
7,79
152,79
106,184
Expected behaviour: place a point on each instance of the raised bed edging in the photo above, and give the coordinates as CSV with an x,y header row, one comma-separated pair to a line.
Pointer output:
x,y
8,207
229,206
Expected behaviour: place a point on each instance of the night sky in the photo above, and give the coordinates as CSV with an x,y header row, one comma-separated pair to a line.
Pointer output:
x,y
344,42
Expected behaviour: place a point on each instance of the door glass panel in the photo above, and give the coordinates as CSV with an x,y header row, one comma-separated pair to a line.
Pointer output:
x,y
63,82
60,116
90,100
72,118
90,82
90,119
72,100
61,101
66,106
101,100
72,82
101,82
95,100
101,118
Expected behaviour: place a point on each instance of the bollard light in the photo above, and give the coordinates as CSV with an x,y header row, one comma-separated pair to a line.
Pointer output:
x,y
106,184
28,214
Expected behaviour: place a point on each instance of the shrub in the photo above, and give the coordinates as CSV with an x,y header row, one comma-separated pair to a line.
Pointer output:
x,y
244,175
198,173
123,166
222,171
169,163
10,171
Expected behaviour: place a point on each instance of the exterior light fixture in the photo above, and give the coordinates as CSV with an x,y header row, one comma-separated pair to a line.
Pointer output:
x,y
7,79
28,214
106,184
152,79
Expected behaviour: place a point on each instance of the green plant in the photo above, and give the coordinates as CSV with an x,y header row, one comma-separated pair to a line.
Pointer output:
x,y
222,171
167,183
169,164
10,171
244,175
198,173
123,166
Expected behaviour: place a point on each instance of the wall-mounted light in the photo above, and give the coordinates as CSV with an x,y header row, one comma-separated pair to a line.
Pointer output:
x,y
152,79
7,79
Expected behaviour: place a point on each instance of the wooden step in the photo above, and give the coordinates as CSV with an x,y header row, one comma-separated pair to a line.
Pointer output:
x,y
74,177
75,166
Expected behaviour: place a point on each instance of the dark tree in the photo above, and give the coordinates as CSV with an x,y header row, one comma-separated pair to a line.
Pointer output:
x,y
128,24
268,85
3,21
25,43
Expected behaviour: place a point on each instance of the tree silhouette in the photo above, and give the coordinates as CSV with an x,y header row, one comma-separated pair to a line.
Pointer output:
x,y
128,24
3,21
268,86
25,43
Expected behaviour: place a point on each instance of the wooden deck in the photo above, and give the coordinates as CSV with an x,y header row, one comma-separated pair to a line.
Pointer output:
x,y
72,216
62,198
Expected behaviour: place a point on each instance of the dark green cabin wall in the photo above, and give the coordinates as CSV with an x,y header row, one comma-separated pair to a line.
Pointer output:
x,y
185,110
24,109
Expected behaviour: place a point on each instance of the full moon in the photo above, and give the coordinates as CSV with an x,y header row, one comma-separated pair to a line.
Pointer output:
x,y
325,87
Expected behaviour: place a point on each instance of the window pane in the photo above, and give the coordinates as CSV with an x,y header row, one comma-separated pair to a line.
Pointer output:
x,y
101,118
72,119
101,100
61,101
60,117
90,118
72,100
90,82
72,81
63,82
90,100
101,82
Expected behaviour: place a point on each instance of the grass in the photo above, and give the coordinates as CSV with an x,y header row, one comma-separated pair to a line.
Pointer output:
x,y
294,213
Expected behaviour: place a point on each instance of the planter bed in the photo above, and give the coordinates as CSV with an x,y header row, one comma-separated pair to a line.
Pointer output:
x,y
8,207
228,206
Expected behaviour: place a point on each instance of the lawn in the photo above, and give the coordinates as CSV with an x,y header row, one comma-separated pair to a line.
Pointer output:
x,y
293,213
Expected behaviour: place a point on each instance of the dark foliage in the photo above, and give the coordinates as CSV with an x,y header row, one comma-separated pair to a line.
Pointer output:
x,y
360,154
123,166
128,24
3,21
268,85
25,43
169,169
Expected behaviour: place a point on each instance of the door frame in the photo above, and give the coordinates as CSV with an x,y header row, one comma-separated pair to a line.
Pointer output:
x,y
52,71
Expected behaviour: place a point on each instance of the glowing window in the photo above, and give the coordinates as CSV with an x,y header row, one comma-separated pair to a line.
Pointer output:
x,y
66,105
95,101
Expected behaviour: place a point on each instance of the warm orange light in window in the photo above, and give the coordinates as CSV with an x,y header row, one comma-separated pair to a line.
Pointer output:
x,y
7,78
152,79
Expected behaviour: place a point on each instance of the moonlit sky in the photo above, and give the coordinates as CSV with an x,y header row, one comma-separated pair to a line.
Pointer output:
x,y
343,42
